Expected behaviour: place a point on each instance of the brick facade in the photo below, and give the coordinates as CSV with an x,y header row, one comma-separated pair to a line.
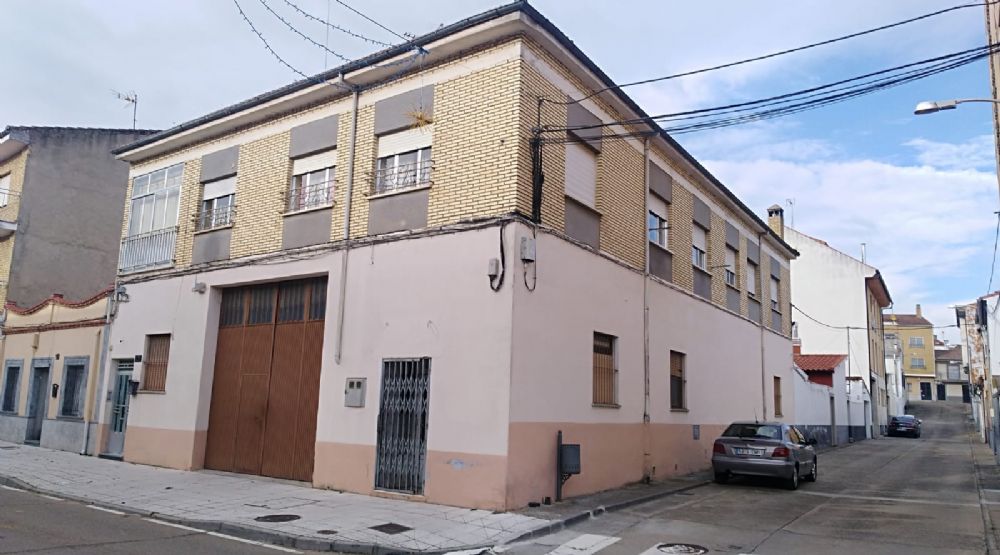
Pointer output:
x,y
15,167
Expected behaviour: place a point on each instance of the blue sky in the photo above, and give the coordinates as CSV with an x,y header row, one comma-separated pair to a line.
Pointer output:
x,y
920,191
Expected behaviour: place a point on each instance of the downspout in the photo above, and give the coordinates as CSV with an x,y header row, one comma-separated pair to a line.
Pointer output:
x,y
105,335
338,350
647,437
763,371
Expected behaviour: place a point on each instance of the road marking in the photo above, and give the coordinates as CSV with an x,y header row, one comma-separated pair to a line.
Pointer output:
x,y
50,497
892,499
8,488
584,545
174,525
112,511
253,542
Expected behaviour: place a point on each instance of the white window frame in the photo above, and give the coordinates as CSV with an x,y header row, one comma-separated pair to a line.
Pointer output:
x,y
658,223
775,294
4,190
392,147
312,183
913,362
731,257
916,341
699,254
146,199
753,271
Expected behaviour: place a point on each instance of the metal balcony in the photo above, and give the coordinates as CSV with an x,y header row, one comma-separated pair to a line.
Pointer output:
x,y
147,251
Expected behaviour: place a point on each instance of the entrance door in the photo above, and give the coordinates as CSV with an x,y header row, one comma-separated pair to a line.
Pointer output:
x,y
833,422
941,392
119,408
925,391
265,390
966,397
401,455
38,403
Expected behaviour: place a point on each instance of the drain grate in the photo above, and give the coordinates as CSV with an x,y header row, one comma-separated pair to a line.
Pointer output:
x,y
277,518
681,549
391,528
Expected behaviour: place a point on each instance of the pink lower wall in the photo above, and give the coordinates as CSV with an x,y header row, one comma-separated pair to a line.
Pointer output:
x,y
180,449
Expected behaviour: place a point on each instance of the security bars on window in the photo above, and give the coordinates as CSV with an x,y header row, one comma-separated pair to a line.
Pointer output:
x,y
403,171
311,190
605,376
217,212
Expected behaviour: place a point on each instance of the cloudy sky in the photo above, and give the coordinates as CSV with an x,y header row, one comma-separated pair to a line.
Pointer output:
x,y
919,191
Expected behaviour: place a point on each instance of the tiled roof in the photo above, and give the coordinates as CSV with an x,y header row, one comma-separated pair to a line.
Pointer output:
x,y
953,353
818,363
908,320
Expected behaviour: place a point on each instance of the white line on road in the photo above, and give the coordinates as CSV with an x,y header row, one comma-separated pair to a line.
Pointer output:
x,y
50,497
8,488
112,511
584,545
253,542
174,525
892,499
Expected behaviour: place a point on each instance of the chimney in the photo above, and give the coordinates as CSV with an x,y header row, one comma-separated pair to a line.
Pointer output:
x,y
919,314
796,346
776,220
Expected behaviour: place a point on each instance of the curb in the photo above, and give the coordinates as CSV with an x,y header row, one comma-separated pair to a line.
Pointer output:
x,y
990,531
559,525
242,531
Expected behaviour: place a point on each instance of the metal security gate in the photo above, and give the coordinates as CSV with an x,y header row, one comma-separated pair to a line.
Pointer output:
x,y
401,456
119,408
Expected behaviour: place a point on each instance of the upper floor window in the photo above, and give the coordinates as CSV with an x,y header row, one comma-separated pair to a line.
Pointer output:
x,y
917,362
312,181
699,246
404,160
657,222
775,287
155,199
581,173
605,371
4,190
916,341
731,266
218,205
752,271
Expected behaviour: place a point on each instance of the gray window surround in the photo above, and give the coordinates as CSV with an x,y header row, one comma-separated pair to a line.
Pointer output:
x,y
219,164
8,364
211,245
661,262
83,361
576,116
660,183
702,283
306,227
583,223
776,321
398,211
732,236
314,136
753,253
702,214
395,113
733,299
753,310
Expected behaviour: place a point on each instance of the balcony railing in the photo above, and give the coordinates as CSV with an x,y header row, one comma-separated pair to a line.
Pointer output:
x,y
215,217
304,197
402,177
148,250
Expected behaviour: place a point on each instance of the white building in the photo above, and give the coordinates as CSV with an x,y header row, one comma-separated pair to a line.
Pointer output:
x,y
894,382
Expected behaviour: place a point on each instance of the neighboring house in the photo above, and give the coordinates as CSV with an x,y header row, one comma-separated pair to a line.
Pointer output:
x,y
971,320
839,301
821,399
61,194
916,337
894,381
373,285
51,355
951,382
984,387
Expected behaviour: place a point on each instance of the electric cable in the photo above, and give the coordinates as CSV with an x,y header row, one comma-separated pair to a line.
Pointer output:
x,y
335,27
300,33
344,4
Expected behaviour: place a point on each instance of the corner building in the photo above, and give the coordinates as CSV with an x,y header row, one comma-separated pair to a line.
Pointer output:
x,y
346,281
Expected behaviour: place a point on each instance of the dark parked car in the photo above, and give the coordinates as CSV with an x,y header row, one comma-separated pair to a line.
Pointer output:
x,y
906,425
771,449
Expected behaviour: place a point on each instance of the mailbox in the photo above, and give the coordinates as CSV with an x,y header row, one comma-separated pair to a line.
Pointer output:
x,y
569,458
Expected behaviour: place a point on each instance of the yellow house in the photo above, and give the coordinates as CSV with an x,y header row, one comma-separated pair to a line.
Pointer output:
x,y
916,335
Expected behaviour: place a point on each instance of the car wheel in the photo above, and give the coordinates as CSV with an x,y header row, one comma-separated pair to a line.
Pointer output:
x,y
721,477
814,474
793,482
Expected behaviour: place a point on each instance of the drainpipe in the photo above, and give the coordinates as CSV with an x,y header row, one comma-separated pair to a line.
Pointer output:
x,y
105,337
338,350
763,370
645,321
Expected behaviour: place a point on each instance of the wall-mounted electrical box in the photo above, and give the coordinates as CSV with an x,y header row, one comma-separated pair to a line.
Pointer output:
x,y
527,249
354,392
493,268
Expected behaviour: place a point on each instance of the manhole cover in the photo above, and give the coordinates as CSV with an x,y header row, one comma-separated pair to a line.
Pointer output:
x,y
681,548
391,528
326,532
277,518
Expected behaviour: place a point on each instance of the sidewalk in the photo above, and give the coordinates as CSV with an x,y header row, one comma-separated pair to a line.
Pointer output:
x,y
988,480
230,503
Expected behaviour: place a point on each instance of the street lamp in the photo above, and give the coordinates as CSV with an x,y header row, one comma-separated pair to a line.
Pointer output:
x,y
929,107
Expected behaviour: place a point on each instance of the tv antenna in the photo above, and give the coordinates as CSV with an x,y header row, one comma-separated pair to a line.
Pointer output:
x,y
129,98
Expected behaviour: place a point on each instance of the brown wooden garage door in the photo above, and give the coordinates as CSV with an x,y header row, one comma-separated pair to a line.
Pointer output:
x,y
266,387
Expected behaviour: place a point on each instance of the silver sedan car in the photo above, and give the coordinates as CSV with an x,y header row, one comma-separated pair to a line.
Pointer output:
x,y
771,449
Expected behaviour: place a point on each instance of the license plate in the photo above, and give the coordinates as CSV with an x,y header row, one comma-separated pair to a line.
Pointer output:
x,y
746,451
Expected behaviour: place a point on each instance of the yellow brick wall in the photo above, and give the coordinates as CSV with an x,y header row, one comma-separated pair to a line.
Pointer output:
x,y
366,148
264,172
187,213
785,296
717,258
765,289
15,167
620,192
741,276
340,177
533,86
681,225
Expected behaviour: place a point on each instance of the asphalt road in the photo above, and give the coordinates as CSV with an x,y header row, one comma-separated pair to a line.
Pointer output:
x,y
31,523
891,495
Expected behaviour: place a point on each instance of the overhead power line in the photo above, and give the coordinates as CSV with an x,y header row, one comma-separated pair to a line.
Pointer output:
x,y
993,265
883,329
266,44
335,27
344,4
775,54
300,33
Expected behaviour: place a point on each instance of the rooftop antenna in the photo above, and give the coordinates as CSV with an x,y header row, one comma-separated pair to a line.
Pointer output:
x,y
790,202
129,98
863,257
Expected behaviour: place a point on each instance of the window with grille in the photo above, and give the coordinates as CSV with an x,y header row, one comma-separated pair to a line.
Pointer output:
x,y
404,160
312,181
731,266
218,205
10,383
154,375
775,287
752,271
699,246
678,397
605,373
777,396
74,384
657,222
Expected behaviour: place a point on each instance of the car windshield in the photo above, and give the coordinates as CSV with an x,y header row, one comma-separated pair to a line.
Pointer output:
x,y
904,418
764,431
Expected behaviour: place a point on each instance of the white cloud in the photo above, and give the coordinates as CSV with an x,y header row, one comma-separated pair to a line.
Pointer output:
x,y
975,154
